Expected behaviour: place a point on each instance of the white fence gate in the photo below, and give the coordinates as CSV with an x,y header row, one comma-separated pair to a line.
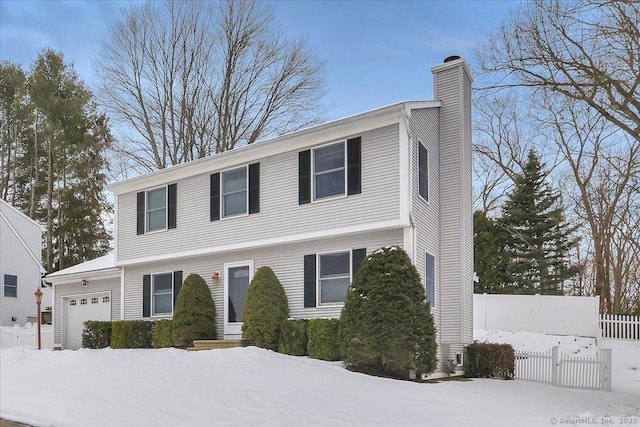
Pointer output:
x,y
620,326
16,336
564,370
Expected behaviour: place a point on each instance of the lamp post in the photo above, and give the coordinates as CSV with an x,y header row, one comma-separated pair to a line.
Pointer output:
x,y
38,295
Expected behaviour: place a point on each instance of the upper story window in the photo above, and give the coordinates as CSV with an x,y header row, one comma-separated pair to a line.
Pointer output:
x,y
10,286
327,276
329,171
156,209
423,171
235,192
329,177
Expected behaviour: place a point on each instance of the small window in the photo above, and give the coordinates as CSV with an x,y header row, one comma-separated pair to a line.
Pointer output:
x,y
334,277
329,171
94,300
162,292
423,171
105,299
234,192
156,213
430,280
10,286
72,302
83,301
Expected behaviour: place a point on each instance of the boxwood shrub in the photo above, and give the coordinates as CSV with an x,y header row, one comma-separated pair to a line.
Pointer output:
x,y
96,334
323,339
486,360
132,334
162,334
293,337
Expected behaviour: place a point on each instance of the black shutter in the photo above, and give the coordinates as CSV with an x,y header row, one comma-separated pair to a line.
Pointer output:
x,y
177,283
254,188
140,213
354,165
357,256
214,197
310,280
146,295
423,172
304,177
171,211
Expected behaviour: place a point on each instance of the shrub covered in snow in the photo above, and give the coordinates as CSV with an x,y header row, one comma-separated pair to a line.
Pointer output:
x,y
386,324
162,334
265,309
293,337
324,339
194,316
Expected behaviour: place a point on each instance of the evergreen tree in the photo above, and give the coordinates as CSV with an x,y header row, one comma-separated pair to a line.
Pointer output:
x,y
265,310
194,316
538,238
53,146
386,323
489,255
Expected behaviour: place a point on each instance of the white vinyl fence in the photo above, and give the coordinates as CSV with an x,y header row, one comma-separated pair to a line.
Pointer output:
x,y
27,335
619,326
564,370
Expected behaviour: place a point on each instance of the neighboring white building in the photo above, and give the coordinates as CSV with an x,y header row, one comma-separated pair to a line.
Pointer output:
x,y
309,204
20,266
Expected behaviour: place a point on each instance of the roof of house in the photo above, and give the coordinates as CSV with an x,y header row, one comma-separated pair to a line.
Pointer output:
x,y
106,262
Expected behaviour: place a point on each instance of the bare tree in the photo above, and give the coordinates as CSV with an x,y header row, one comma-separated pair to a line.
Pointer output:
x,y
191,79
587,50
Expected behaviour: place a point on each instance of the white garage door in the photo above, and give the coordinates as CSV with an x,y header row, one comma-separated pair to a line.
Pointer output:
x,y
81,308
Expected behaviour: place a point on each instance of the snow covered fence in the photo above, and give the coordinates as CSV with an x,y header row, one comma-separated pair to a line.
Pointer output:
x,y
16,336
620,326
564,370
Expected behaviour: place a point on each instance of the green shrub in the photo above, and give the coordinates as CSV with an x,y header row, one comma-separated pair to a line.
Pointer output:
x,y
194,316
386,323
96,334
293,337
132,334
162,334
265,310
486,360
324,339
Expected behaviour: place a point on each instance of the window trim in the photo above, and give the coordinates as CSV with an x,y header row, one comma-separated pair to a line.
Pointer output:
x,y
426,199
345,169
4,286
435,295
241,214
319,303
153,294
166,210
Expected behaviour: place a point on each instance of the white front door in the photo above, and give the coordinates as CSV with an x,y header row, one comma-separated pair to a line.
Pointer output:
x,y
78,309
237,277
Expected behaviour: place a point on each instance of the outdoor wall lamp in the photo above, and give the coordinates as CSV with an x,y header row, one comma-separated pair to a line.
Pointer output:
x,y
215,277
84,283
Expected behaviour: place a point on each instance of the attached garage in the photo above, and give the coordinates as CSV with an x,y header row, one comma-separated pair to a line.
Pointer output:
x,y
80,308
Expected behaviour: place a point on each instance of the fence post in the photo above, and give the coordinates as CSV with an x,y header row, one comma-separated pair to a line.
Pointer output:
x,y
16,334
554,366
606,367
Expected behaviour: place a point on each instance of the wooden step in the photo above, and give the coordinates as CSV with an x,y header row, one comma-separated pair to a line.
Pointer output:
x,y
216,344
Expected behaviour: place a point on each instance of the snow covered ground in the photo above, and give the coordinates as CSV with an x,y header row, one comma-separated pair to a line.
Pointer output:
x,y
256,387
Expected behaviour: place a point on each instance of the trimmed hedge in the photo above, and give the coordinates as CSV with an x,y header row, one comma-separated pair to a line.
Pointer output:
x,y
323,339
162,334
486,360
265,309
194,315
293,337
96,334
132,334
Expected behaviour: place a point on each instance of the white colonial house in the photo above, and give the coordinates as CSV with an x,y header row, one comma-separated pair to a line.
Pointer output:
x,y
20,266
309,204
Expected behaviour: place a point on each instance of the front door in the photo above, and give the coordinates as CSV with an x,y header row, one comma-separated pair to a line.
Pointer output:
x,y
237,277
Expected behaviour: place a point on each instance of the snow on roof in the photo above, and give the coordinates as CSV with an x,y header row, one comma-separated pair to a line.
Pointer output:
x,y
105,262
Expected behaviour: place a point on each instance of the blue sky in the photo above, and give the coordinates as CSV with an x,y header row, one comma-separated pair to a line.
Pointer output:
x,y
377,52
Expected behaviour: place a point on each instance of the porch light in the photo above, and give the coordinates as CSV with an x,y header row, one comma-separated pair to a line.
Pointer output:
x,y
215,277
84,283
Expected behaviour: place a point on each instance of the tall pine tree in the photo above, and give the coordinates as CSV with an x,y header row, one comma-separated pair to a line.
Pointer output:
x,y
489,256
538,238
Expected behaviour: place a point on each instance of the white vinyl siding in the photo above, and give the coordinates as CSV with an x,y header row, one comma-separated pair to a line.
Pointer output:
x,y
156,209
280,213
